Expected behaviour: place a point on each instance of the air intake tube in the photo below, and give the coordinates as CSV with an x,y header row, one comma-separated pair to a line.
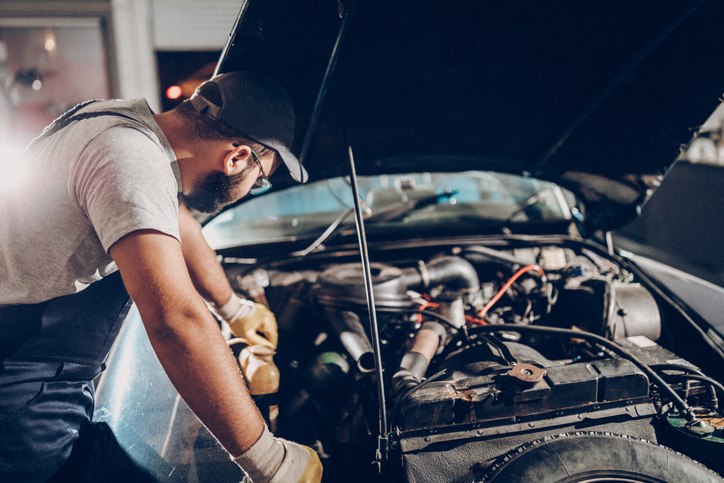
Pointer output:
x,y
353,337
415,362
343,286
454,272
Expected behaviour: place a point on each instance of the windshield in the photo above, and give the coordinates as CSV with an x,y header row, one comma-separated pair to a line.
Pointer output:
x,y
402,200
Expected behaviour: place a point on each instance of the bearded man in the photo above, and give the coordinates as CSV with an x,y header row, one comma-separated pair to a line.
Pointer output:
x,y
101,218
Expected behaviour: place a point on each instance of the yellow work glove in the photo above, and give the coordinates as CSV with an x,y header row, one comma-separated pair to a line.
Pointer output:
x,y
250,321
276,460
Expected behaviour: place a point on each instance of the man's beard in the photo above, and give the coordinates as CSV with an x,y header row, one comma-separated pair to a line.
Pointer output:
x,y
214,192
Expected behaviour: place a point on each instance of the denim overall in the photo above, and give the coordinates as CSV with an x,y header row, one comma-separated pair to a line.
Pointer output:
x,y
49,355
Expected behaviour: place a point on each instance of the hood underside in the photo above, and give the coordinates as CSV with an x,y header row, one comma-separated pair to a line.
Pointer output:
x,y
597,96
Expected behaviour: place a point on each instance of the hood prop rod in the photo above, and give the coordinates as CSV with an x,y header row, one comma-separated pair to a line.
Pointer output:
x,y
383,442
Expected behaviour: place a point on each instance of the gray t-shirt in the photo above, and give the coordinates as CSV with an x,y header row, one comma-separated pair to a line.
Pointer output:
x,y
87,186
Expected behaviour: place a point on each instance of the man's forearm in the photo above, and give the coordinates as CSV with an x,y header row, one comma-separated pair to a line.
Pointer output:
x,y
200,365
206,272
186,338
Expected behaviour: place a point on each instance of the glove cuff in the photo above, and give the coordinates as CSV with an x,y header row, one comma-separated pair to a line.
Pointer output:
x,y
235,308
262,461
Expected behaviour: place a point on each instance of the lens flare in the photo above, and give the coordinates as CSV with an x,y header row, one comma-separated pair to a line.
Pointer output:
x,y
11,166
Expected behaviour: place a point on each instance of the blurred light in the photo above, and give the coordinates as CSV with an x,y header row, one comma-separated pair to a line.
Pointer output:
x,y
705,150
50,43
173,92
37,85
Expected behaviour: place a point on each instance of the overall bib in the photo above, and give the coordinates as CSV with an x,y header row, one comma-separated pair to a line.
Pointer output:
x,y
46,379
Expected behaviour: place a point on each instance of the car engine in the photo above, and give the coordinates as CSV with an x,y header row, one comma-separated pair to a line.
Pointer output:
x,y
484,351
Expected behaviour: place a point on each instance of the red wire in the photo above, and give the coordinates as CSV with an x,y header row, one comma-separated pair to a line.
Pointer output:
x,y
507,285
424,306
473,320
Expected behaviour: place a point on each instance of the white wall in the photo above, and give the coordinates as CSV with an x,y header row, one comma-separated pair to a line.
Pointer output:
x,y
135,62
193,24
142,27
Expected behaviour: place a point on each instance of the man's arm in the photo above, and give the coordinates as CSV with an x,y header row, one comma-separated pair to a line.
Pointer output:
x,y
254,322
206,272
199,363
186,338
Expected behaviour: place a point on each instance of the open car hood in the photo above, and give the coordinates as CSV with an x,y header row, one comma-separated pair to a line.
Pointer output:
x,y
596,96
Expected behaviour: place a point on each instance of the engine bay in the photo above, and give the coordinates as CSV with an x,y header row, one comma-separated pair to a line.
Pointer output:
x,y
484,348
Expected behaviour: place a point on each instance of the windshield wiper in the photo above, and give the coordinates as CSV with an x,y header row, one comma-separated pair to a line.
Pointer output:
x,y
402,208
391,212
327,233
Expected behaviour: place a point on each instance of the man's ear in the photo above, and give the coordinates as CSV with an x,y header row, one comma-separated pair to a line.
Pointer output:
x,y
237,159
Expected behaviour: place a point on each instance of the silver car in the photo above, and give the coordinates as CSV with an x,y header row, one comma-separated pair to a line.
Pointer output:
x,y
464,290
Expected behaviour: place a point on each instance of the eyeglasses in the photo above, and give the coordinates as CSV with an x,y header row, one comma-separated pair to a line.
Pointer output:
x,y
262,183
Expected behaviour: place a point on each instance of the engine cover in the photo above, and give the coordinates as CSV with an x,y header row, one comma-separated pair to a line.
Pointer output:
x,y
499,397
475,411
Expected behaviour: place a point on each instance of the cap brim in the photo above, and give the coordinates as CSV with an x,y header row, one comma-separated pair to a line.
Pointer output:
x,y
292,163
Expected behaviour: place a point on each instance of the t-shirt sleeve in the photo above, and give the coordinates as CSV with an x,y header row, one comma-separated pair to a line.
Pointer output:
x,y
124,182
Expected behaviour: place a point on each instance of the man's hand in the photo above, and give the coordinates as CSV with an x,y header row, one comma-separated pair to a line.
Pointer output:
x,y
251,321
276,460
260,321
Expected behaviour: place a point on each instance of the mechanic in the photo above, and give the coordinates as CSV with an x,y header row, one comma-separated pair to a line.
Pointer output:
x,y
102,199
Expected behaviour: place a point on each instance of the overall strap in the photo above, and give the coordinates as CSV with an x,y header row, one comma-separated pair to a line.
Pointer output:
x,y
68,117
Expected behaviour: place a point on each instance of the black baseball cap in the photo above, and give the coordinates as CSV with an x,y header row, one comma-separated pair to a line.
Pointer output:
x,y
259,108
